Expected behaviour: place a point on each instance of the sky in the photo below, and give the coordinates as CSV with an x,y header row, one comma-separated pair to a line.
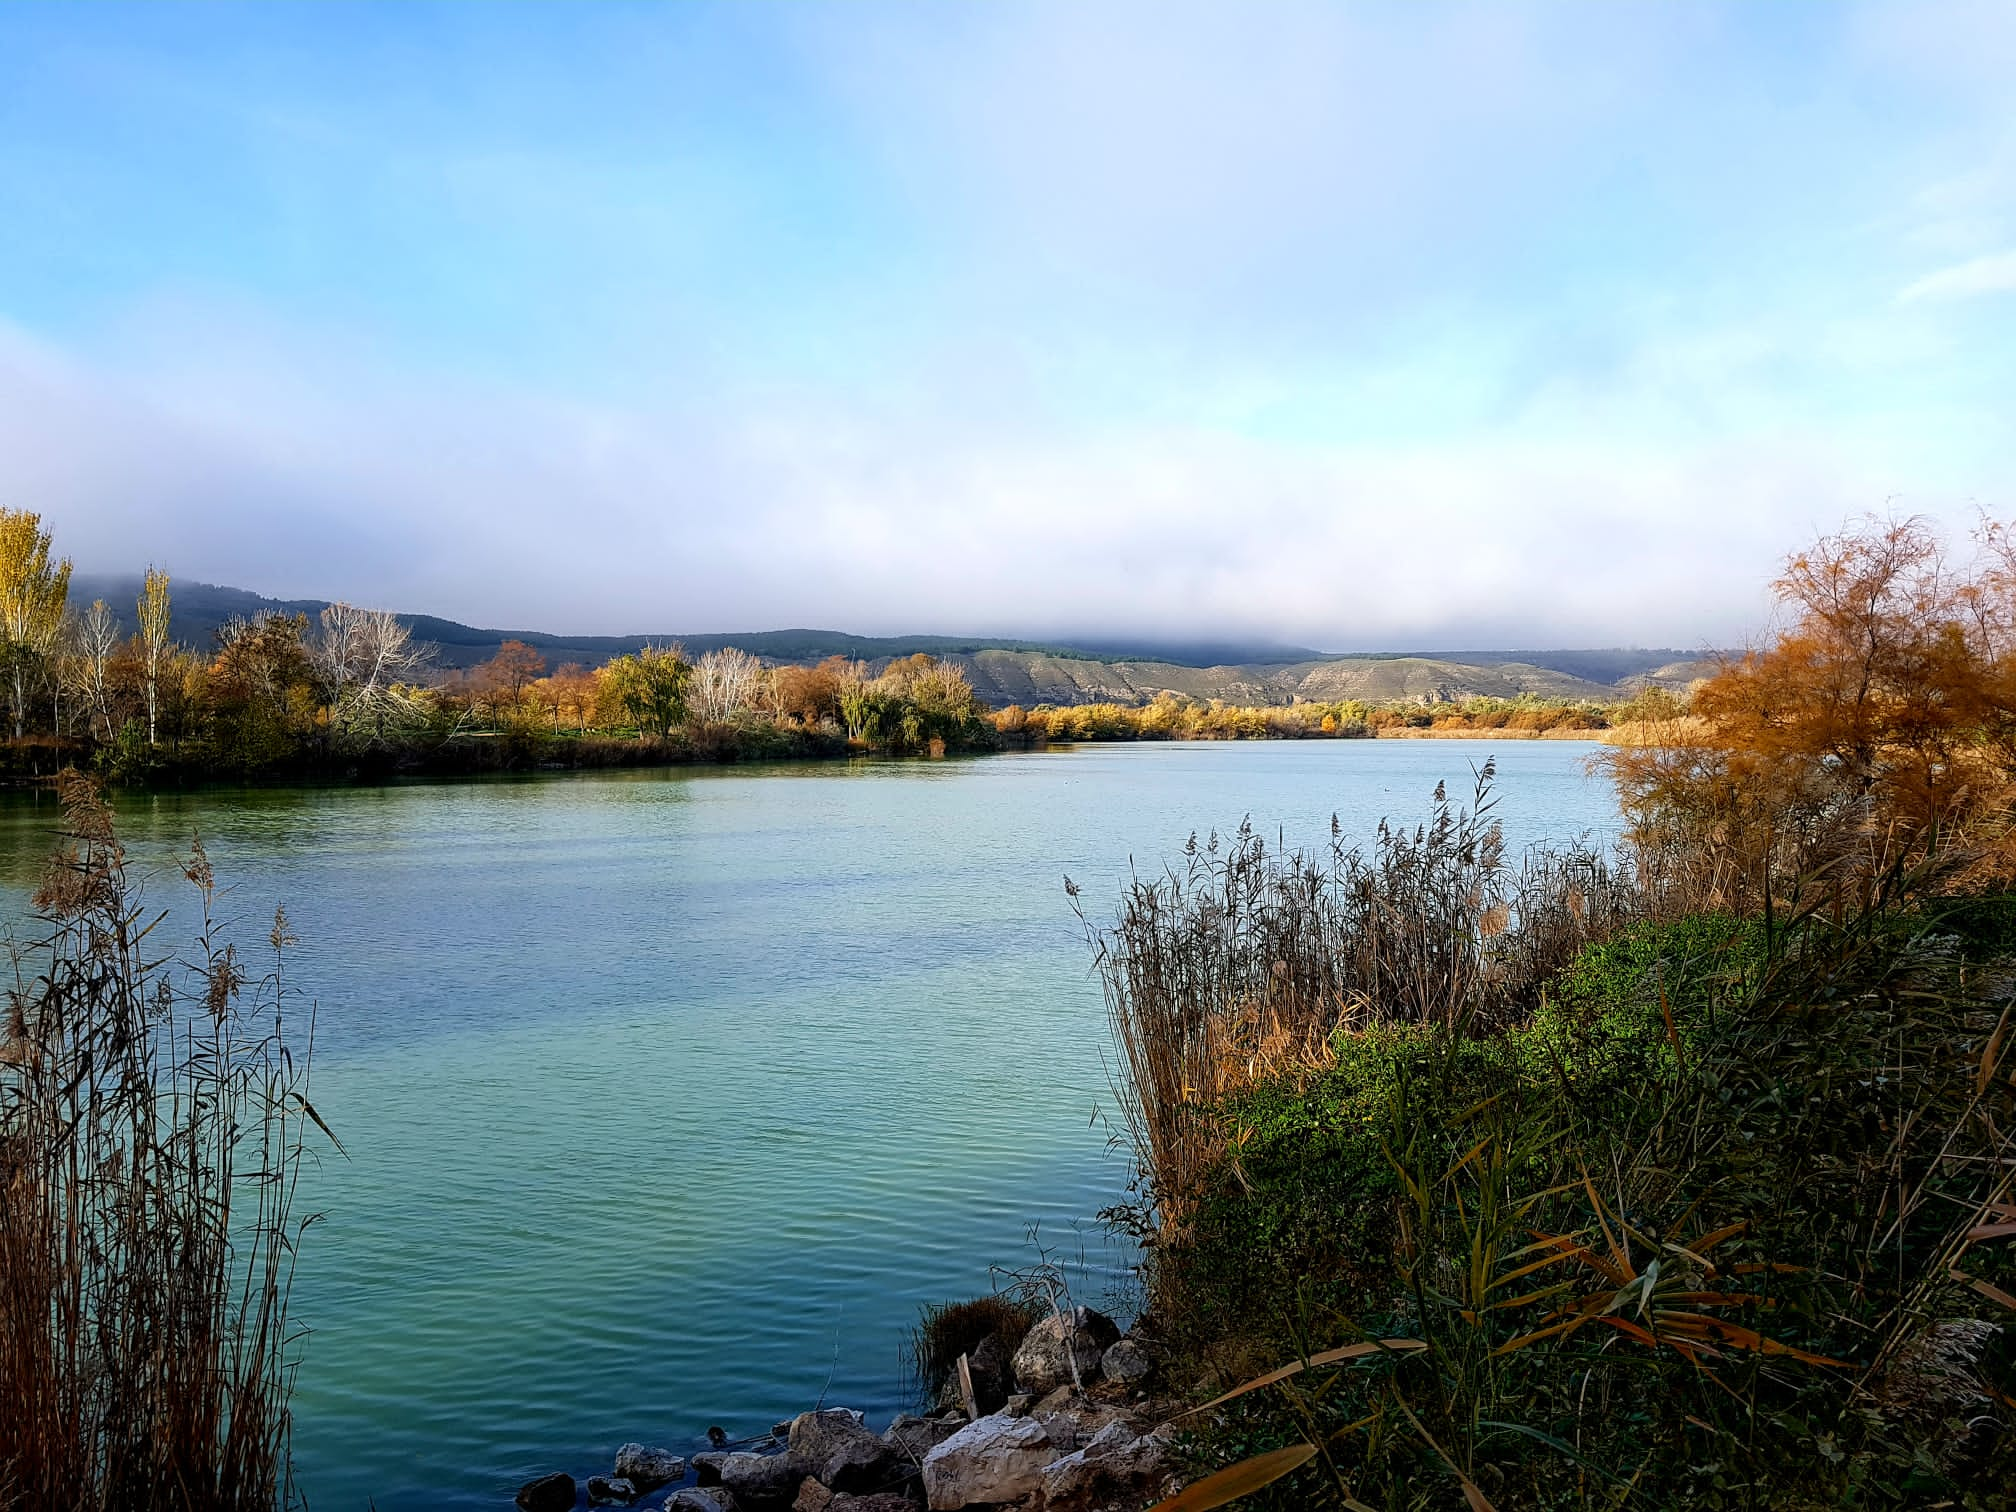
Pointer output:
x,y
1352,326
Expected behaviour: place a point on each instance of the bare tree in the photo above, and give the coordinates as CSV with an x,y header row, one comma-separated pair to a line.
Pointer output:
x,y
725,682
94,641
368,658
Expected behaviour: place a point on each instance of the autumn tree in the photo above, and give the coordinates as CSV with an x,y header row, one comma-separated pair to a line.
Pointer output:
x,y
811,695
153,614
33,593
1877,723
650,688
569,694
502,680
261,689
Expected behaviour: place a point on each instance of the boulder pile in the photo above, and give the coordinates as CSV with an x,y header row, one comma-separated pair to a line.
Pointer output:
x,y
1059,1429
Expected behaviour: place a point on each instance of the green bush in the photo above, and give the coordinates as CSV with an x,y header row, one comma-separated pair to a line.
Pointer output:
x,y
1759,1146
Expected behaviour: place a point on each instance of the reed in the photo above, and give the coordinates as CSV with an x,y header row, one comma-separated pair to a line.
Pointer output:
x,y
1245,962
153,1124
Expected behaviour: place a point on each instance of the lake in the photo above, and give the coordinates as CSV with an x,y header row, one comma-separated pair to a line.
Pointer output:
x,y
670,1096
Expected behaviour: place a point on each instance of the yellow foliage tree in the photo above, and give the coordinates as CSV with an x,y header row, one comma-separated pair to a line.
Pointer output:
x,y
33,593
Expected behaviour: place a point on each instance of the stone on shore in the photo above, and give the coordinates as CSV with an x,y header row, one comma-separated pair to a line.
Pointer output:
x,y
878,1501
707,1466
1073,1421
700,1499
760,1482
647,1468
993,1376
837,1448
1116,1465
610,1491
812,1497
1054,1344
1126,1363
993,1459
549,1493
914,1437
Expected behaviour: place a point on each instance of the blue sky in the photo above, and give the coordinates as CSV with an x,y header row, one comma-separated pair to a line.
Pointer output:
x,y
1358,326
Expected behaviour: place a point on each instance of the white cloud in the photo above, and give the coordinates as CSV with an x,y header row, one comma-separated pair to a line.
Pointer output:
x,y
1994,274
330,478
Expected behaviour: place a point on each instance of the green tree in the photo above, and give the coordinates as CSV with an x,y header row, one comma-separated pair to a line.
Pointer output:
x,y
33,593
650,687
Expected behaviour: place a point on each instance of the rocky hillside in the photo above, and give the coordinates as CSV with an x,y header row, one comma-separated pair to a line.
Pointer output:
x,y
1028,678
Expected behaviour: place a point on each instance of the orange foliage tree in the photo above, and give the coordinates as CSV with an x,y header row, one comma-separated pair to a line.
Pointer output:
x,y
1879,725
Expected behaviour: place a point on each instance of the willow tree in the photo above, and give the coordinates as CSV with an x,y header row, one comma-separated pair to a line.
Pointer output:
x,y
33,593
153,608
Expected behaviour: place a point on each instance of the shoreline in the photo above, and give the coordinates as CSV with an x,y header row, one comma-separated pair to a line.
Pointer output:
x,y
374,770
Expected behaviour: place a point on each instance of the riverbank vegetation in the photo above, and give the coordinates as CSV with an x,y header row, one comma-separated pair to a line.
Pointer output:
x,y
1171,716
351,692
1680,1176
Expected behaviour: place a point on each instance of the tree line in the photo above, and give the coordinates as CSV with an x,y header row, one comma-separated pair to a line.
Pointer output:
x,y
351,688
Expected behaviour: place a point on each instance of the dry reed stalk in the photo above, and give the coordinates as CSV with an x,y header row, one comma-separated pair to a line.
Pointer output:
x,y
152,1119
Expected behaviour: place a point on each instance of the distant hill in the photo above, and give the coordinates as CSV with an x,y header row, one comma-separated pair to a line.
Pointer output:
x,y
1005,671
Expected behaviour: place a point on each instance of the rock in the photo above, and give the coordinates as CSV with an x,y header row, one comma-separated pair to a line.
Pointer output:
x,y
700,1499
993,1375
708,1467
1044,1362
1019,1405
1126,1363
879,1501
1054,1401
837,1448
993,1459
761,1482
812,1497
647,1469
914,1437
1116,1464
549,1493
1073,1421
610,1491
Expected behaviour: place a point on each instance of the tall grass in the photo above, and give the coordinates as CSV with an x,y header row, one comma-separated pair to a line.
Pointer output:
x,y
153,1116
1244,962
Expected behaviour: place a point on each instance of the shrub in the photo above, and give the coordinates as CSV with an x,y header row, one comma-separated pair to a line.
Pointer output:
x,y
947,1330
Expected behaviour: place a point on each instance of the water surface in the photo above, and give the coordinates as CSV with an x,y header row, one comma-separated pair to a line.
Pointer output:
x,y
670,1096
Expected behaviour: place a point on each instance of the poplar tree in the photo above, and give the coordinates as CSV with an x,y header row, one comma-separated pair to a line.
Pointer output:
x,y
153,638
33,593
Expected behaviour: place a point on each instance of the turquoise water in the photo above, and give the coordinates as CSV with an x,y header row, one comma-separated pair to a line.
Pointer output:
x,y
670,1096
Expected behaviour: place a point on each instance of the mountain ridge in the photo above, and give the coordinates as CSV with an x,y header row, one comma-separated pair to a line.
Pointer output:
x,y
1007,669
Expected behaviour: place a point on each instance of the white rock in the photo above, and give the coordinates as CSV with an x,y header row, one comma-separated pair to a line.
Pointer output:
x,y
1115,1464
994,1459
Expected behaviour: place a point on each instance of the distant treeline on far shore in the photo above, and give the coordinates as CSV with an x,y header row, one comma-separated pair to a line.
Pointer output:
x,y
351,691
